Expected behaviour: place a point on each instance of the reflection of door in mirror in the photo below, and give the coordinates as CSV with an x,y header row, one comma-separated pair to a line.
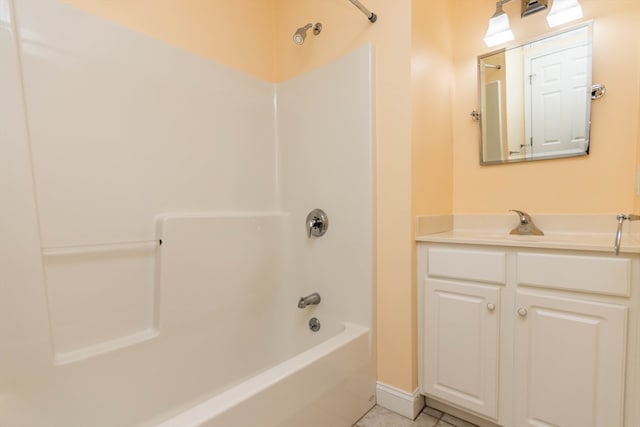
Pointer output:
x,y
535,98
555,102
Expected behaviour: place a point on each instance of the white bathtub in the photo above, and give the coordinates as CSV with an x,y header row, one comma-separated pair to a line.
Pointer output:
x,y
327,385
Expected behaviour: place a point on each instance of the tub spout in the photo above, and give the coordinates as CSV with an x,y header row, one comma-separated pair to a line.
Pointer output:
x,y
311,299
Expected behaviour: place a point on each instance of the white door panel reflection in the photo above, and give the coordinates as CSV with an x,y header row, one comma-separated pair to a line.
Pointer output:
x,y
557,92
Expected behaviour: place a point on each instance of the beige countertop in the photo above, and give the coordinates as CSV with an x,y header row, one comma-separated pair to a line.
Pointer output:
x,y
583,232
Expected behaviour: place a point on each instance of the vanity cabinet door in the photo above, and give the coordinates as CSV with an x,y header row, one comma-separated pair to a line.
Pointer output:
x,y
569,361
460,346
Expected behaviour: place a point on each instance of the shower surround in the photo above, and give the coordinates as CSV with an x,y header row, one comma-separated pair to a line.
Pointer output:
x,y
155,244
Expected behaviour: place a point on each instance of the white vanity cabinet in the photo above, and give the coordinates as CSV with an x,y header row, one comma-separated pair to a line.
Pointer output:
x,y
569,361
529,337
461,327
462,323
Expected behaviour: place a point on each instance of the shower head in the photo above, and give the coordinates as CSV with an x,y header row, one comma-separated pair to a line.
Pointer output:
x,y
301,33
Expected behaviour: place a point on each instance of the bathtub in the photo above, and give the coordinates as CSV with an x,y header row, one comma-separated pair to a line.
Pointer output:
x,y
327,385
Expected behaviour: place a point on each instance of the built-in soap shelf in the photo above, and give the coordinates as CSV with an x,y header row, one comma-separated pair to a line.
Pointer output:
x,y
101,297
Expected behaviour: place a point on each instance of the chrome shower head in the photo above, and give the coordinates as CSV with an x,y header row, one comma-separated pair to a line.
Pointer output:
x,y
301,33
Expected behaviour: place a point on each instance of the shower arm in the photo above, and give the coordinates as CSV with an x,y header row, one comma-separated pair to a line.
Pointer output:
x,y
372,16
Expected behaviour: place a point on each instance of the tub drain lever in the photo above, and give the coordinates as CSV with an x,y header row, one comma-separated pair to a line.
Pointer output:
x,y
314,324
621,218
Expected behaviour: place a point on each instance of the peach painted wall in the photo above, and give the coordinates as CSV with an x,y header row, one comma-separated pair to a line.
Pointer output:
x,y
431,100
236,33
431,127
602,182
637,193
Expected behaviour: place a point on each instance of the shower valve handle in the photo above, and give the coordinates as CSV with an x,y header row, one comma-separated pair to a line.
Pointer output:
x,y
317,223
314,226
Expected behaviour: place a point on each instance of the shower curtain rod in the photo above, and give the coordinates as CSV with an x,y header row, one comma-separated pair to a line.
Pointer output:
x,y
372,16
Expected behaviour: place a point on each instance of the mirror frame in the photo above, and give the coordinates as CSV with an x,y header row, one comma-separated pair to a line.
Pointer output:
x,y
481,109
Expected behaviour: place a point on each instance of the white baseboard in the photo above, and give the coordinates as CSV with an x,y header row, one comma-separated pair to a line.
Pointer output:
x,y
399,401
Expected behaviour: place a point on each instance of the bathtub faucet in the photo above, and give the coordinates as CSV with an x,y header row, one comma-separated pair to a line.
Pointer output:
x,y
310,299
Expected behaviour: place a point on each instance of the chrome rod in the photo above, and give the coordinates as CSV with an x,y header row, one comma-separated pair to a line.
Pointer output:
x,y
372,16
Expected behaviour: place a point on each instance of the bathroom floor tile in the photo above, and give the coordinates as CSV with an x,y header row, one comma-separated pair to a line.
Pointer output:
x,y
429,417
381,417
457,422
433,412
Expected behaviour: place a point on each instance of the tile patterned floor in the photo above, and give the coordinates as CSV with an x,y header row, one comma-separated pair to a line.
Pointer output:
x,y
429,417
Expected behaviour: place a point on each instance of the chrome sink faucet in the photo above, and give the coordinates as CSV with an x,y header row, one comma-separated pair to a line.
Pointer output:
x,y
311,299
526,226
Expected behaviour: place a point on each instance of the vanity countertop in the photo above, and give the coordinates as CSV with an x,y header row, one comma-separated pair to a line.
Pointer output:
x,y
494,230
579,241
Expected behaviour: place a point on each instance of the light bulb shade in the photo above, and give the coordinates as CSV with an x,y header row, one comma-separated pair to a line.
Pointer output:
x,y
563,11
499,29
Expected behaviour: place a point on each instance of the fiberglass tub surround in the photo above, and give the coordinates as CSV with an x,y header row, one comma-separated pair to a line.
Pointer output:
x,y
163,247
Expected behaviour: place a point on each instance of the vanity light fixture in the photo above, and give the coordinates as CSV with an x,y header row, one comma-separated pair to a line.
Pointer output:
x,y
563,11
529,7
499,29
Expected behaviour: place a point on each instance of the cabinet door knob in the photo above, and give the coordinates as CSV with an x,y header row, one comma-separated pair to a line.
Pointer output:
x,y
522,312
491,306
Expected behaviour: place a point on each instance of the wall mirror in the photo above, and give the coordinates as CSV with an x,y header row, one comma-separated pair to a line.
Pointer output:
x,y
535,99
